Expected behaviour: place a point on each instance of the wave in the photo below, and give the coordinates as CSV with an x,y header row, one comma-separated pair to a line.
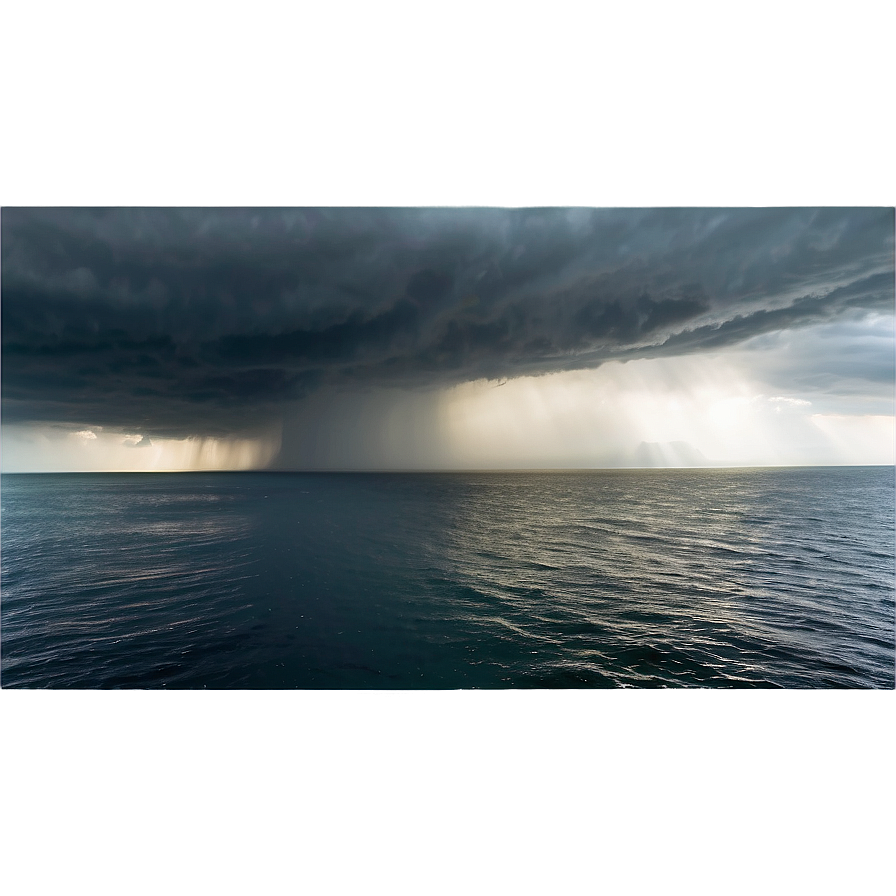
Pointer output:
x,y
596,579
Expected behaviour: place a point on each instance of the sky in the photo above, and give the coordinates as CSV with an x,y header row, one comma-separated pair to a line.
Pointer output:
x,y
446,235
446,338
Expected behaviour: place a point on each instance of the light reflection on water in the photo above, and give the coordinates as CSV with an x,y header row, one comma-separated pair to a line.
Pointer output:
x,y
625,571
625,578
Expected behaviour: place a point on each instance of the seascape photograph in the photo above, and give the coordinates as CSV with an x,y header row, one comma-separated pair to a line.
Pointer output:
x,y
368,448
447,449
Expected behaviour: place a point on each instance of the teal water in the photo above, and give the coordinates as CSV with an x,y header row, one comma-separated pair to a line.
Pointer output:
x,y
639,578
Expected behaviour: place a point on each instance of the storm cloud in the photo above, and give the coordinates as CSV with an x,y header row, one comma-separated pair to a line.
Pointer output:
x,y
206,322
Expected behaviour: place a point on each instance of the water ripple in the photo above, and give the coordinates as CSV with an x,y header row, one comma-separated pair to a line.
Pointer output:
x,y
757,578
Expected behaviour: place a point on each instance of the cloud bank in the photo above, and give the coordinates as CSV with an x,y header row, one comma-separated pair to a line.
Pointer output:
x,y
209,322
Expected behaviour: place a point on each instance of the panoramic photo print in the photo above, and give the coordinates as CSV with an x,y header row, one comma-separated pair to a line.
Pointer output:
x,y
447,448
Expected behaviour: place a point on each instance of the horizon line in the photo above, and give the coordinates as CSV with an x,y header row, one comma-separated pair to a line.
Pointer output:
x,y
445,470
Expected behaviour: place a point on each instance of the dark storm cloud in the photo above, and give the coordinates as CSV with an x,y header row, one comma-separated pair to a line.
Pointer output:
x,y
208,320
874,293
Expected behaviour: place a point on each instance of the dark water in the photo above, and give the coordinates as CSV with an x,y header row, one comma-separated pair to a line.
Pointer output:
x,y
780,577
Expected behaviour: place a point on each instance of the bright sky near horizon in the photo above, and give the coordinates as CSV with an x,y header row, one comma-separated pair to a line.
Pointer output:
x,y
582,419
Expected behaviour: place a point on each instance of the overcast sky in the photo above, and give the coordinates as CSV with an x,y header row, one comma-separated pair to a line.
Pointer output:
x,y
446,235
446,338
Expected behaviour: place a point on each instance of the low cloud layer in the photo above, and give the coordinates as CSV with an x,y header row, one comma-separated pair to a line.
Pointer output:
x,y
208,322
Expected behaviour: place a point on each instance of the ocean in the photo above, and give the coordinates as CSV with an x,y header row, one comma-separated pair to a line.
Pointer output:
x,y
772,577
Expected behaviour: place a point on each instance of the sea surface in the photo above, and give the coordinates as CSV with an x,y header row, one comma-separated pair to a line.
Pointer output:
x,y
630,578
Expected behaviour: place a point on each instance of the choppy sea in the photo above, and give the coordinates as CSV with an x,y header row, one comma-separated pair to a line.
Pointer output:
x,y
631,578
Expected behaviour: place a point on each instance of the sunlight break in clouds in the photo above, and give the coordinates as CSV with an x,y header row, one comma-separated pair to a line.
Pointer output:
x,y
600,417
